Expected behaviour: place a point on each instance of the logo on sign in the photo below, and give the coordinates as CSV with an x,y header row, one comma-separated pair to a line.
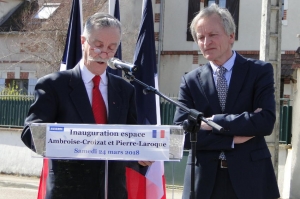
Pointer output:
x,y
56,128
158,134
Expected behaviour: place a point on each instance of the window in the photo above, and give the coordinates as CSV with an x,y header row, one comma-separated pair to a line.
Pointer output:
x,y
193,9
232,6
46,11
221,3
284,9
17,84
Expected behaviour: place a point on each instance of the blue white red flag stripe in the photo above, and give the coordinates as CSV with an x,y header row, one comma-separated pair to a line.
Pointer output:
x,y
148,105
158,134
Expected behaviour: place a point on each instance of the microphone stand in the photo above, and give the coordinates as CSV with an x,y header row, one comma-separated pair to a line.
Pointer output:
x,y
191,125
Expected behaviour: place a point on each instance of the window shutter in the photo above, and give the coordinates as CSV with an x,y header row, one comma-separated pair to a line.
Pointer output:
x,y
193,9
233,7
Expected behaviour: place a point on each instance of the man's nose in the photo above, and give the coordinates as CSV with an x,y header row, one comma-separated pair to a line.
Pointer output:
x,y
206,41
103,55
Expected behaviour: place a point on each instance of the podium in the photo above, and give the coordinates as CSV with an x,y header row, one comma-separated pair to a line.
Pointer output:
x,y
108,142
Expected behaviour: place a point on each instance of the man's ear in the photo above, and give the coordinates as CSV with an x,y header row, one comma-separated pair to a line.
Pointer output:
x,y
232,37
82,38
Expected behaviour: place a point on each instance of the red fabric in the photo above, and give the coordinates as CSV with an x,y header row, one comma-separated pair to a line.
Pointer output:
x,y
43,180
136,184
139,186
164,184
98,104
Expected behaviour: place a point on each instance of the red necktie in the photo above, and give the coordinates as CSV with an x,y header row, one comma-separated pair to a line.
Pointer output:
x,y
98,105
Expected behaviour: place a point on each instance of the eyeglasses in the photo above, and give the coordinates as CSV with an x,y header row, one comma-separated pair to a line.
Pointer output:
x,y
109,53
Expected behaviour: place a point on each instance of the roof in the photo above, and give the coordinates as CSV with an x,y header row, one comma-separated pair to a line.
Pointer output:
x,y
22,14
296,63
286,63
11,20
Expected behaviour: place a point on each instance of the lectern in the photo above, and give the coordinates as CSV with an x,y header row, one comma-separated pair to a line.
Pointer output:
x,y
108,142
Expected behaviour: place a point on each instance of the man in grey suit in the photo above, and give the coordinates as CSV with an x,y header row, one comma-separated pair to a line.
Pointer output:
x,y
238,94
66,97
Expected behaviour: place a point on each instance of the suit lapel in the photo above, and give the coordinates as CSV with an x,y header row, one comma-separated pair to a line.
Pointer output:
x,y
239,72
79,96
114,100
208,86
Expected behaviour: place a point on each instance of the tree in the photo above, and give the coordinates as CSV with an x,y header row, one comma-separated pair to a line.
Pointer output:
x,y
40,42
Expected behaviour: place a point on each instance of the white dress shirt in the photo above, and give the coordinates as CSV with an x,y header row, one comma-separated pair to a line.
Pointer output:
x,y
87,78
228,65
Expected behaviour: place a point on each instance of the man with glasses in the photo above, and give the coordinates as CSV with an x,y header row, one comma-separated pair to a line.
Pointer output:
x,y
86,94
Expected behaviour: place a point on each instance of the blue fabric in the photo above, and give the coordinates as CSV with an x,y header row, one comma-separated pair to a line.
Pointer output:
x,y
145,59
119,51
73,51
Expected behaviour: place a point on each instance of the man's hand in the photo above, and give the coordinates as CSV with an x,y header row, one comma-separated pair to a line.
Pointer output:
x,y
257,110
236,139
145,163
241,139
205,126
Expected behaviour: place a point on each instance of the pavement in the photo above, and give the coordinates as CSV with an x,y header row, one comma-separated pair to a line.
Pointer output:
x,y
28,182
15,181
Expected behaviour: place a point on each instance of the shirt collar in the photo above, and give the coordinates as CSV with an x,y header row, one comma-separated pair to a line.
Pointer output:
x,y
228,64
87,76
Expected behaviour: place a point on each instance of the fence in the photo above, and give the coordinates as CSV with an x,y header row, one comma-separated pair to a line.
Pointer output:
x,y
167,111
285,133
13,109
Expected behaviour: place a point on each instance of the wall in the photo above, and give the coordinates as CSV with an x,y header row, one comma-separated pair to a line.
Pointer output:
x,y
295,180
172,67
15,157
292,28
13,63
284,171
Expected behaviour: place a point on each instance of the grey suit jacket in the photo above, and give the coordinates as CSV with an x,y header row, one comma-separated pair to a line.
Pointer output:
x,y
61,97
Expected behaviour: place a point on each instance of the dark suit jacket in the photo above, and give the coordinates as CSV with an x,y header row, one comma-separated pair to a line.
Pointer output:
x,y
61,97
249,164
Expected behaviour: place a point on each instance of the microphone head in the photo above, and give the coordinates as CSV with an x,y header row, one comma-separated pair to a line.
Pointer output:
x,y
110,63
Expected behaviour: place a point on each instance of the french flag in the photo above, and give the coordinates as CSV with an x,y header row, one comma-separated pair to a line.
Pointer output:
x,y
114,9
146,183
158,134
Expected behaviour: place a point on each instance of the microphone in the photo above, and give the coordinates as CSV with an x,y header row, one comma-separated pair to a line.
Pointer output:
x,y
115,63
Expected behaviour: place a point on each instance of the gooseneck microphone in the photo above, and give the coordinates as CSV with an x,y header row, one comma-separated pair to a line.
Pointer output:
x,y
116,63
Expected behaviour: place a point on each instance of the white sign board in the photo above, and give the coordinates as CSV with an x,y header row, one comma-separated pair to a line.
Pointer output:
x,y
124,142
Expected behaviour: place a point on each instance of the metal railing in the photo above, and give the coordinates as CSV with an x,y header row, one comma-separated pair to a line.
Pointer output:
x,y
167,111
285,133
13,109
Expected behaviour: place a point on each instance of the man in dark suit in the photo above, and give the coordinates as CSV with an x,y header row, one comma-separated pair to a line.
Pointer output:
x,y
236,163
67,97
